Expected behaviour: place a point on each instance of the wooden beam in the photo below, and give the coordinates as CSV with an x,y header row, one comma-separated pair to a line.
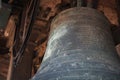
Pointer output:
x,y
24,69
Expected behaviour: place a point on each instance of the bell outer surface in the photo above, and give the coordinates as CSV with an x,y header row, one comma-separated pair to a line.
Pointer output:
x,y
80,47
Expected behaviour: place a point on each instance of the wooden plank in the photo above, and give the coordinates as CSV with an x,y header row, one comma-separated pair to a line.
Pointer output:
x,y
4,62
24,69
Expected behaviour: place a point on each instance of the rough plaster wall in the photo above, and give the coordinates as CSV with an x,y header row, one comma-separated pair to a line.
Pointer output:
x,y
109,8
